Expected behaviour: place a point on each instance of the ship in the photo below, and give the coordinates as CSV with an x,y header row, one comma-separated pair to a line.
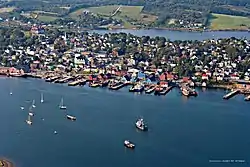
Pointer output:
x,y
71,117
137,88
140,124
129,144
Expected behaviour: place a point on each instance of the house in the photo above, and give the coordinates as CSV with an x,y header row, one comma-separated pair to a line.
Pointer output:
x,y
204,77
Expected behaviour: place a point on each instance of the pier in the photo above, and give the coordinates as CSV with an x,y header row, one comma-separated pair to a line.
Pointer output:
x,y
231,94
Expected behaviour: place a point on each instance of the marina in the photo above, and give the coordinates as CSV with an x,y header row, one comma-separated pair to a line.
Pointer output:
x,y
95,122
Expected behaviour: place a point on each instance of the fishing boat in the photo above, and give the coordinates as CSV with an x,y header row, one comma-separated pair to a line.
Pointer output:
x,y
61,105
136,88
129,144
33,103
71,117
42,100
28,121
140,124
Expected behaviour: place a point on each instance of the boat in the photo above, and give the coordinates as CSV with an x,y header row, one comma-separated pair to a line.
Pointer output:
x,y
150,89
94,84
55,132
61,105
33,104
141,125
158,89
42,100
104,83
28,121
247,98
129,144
71,117
31,114
185,91
22,108
137,88
10,93
116,85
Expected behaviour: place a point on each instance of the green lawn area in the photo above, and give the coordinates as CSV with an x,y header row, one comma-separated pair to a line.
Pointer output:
x,y
125,12
6,10
223,22
45,18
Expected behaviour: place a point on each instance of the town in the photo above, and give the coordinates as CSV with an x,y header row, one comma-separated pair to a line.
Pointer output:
x,y
116,60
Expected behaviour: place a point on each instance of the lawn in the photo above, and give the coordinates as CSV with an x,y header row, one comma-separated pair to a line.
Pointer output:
x,y
45,18
6,10
125,13
224,22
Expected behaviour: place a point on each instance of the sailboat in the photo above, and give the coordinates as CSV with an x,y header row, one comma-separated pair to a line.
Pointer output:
x,y
10,92
28,121
33,104
42,100
61,106
30,111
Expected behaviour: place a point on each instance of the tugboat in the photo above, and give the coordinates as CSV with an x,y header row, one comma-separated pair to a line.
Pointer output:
x,y
128,144
141,125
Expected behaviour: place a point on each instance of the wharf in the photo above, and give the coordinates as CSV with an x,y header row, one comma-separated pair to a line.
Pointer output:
x,y
166,90
231,94
77,82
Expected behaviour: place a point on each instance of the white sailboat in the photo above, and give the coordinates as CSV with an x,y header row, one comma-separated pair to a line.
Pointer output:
x,y
10,92
42,100
30,111
28,121
22,108
62,106
33,103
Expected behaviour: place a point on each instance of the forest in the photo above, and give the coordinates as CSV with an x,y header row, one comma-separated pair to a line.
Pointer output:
x,y
194,11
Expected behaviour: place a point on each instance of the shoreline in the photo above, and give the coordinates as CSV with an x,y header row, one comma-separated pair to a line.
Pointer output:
x,y
171,29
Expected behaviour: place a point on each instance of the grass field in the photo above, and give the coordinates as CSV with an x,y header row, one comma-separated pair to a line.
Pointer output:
x,y
125,13
45,18
223,22
6,10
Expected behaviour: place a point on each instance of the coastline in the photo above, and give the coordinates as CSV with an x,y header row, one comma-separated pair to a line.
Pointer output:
x,y
172,29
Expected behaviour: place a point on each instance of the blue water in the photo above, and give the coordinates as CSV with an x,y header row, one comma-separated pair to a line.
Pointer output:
x,y
181,35
182,132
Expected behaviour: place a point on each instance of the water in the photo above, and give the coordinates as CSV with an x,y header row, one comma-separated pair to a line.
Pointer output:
x,y
182,132
181,35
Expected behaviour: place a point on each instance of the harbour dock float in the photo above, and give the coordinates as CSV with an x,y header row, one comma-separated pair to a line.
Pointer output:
x,y
77,82
64,80
117,86
150,90
166,90
52,79
231,94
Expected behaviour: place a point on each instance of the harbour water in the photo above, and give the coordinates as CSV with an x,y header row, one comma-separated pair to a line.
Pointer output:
x,y
191,132
180,35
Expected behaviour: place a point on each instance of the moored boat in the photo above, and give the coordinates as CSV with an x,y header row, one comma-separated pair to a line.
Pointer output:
x,y
71,117
150,89
94,84
129,144
185,91
136,88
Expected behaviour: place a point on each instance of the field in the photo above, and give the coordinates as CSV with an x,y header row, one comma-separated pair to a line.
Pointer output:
x,y
6,10
125,13
224,22
45,18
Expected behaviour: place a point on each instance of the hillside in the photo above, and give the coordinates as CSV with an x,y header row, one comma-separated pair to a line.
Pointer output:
x,y
169,13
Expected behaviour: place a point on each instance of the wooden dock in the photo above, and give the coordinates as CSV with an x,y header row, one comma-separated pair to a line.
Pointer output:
x,y
231,94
